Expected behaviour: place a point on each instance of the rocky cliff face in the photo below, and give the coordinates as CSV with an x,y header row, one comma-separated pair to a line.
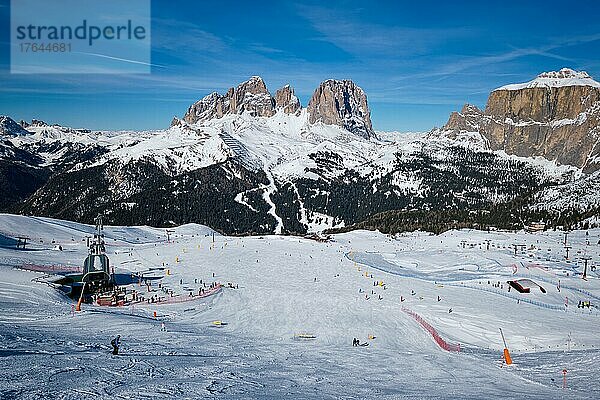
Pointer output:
x,y
286,100
335,102
556,116
251,96
341,102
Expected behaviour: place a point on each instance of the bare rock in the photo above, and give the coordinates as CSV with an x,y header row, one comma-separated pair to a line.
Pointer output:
x,y
556,116
342,103
286,100
250,97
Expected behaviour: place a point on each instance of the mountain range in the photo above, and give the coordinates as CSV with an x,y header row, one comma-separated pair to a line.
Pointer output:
x,y
249,162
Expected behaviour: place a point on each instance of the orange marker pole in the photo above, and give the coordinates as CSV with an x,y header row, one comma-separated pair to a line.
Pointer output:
x,y
507,357
78,307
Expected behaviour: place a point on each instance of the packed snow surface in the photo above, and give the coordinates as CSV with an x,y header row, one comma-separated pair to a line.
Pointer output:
x,y
287,325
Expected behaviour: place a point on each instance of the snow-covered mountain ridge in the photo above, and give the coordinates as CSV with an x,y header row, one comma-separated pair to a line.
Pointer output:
x,y
556,116
564,77
247,166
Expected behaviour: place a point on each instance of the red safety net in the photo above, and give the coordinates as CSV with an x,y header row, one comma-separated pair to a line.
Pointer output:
x,y
436,336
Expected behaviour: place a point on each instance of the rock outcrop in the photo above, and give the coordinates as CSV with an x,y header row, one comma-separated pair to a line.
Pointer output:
x,y
556,116
251,96
341,102
335,102
286,100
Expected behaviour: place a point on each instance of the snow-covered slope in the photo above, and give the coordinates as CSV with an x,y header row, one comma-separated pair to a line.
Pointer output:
x,y
581,195
8,127
564,77
355,286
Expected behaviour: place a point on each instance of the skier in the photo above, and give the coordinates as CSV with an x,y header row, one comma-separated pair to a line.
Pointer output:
x,y
115,343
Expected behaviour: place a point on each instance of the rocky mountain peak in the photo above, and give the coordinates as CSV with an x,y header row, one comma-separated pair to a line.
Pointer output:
x,y
556,116
286,100
38,122
465,120
470,109
210,107
565,73
255,84
250,96
9,127
343,103
335,102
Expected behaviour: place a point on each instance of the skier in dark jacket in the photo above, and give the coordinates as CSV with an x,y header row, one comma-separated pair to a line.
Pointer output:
x,y
115,343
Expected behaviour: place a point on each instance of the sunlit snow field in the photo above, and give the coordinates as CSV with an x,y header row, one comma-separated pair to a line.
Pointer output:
x,y
290,286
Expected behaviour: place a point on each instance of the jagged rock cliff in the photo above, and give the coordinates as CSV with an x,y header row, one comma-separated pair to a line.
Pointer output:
x,y
251,96
557,116
334,102
286,100
341,102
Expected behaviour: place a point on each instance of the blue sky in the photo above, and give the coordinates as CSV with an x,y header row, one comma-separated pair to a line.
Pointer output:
x,y
417,61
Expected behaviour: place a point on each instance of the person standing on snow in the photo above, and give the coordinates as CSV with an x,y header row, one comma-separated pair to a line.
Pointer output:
x,y
115,343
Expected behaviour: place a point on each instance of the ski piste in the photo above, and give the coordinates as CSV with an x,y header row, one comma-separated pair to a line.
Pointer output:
x,y
288,305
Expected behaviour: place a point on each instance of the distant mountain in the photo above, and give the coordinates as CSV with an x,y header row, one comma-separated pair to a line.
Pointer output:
x,y
247,162
556,116
8,127
334,102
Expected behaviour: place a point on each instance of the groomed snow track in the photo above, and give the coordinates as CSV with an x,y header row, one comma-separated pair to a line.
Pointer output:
x,y
242,155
